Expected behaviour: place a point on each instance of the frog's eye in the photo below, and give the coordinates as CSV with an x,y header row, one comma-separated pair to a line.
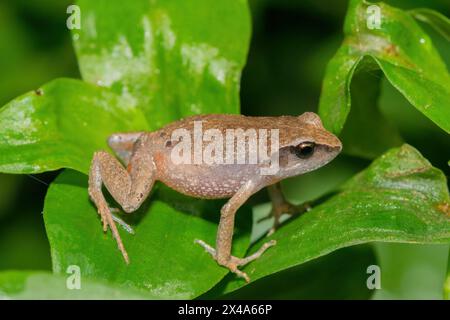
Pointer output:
x,y
304,150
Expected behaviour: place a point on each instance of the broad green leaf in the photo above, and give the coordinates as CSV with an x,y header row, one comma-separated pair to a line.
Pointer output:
x,y
165,261
39,285
400,197
171,58
166,60
61,125
408,59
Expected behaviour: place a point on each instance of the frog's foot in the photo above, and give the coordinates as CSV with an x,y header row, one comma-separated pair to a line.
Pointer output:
x,y
122,223
234,262
288,208
108,221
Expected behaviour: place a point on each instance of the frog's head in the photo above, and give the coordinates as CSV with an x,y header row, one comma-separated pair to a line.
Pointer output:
x,y
306,146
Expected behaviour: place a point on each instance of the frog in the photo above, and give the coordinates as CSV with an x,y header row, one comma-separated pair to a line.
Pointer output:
x,y
301,144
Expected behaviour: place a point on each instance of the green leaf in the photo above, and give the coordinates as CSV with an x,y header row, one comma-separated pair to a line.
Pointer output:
x,y
435,19
408,59
164,61
374,133
165,262
400,197
447,281
26,285
61,125
171,58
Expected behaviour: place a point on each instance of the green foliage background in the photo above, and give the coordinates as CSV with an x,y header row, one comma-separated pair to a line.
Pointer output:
x,y
291,45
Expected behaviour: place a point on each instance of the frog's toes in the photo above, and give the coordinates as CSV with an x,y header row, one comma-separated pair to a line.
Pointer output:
x,y
287,208
103,212
207,247
114,210
233,263
272,231
123,224
254,256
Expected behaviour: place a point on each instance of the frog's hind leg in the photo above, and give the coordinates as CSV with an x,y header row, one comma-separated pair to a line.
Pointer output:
x,y
222,253
129,187
122,144
280,205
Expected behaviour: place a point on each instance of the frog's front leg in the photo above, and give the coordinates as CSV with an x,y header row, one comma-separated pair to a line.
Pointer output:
x,y
280,205
222,253
129,187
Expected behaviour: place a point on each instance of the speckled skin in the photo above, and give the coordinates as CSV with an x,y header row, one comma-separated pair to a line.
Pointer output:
x,y
147,156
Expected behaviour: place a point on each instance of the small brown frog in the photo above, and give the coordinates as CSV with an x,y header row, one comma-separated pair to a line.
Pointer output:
x,y
302,145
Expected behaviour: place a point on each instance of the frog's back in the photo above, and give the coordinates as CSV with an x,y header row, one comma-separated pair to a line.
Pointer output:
x,y
207,180
233,121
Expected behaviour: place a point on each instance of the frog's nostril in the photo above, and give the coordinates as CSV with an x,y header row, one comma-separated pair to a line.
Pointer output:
x,y
334,148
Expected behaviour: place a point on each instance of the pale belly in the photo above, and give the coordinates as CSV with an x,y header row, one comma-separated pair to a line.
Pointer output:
x,y
208,181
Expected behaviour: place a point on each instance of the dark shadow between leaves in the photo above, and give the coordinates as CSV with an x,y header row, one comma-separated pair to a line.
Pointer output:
x,y
339,275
